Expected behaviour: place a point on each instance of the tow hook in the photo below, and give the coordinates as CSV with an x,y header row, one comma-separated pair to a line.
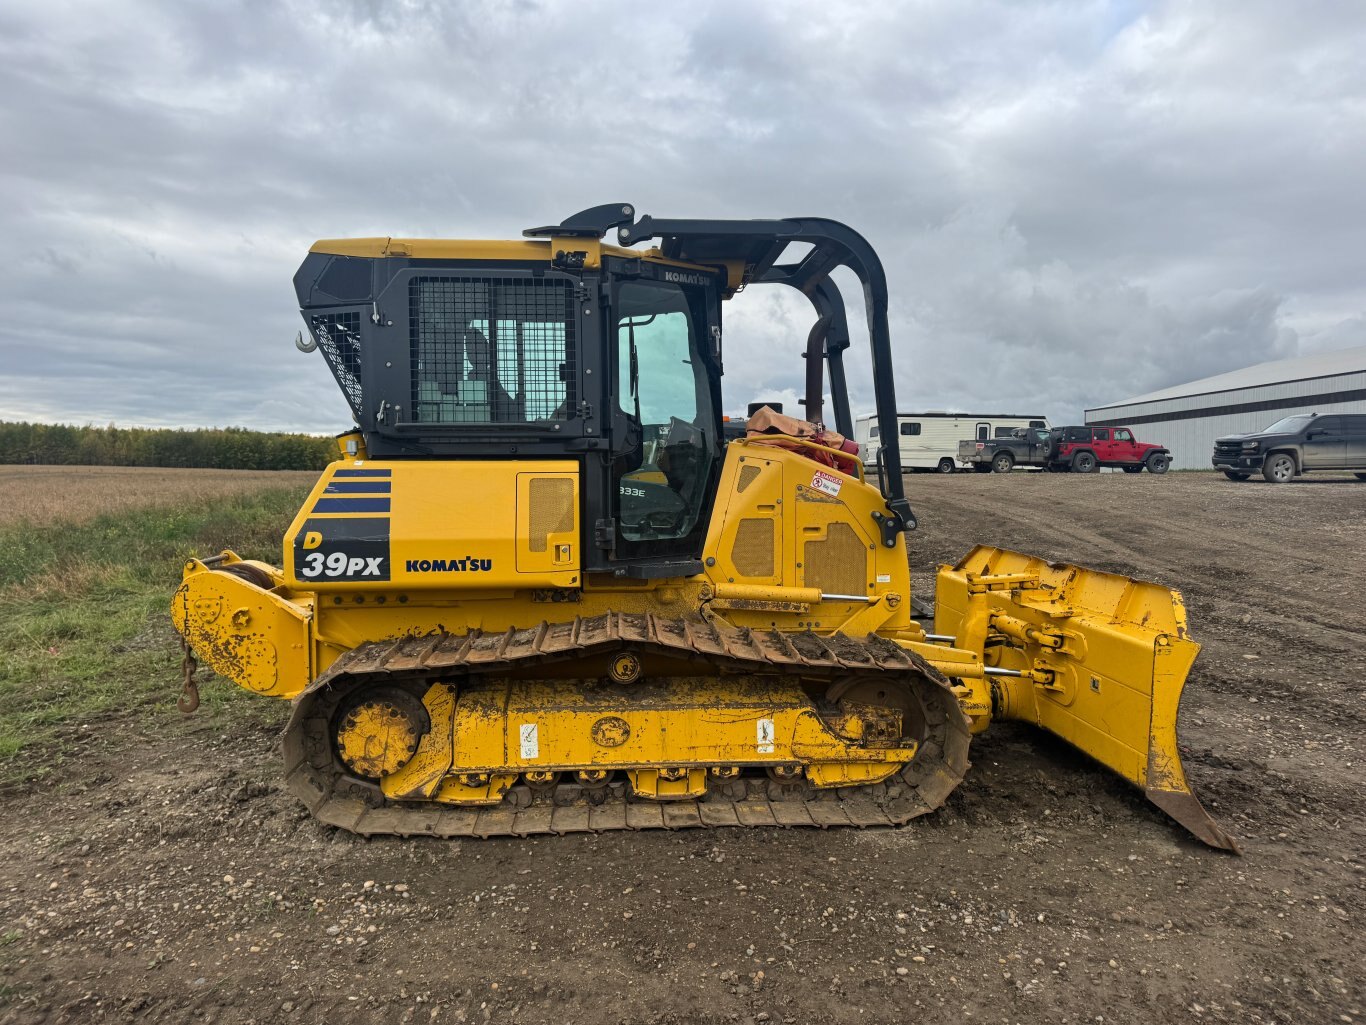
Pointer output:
x,y
189,690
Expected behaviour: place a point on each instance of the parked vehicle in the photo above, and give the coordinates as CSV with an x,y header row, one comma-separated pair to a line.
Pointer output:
x,y
929,441
1087,449
733,427
1296,444
1026,446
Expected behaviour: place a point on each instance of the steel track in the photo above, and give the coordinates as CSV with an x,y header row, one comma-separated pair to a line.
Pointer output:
x,y
316,777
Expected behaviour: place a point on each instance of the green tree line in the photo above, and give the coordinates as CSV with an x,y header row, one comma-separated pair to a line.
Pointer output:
x,y
226,448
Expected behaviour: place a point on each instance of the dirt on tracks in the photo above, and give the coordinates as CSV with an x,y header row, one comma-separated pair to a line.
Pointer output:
x,y
167,877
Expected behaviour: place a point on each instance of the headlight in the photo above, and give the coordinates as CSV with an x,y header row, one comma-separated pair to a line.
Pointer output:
x,y
1251,446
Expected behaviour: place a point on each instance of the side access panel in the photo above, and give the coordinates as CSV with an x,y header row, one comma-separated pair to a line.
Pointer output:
x,y
466,525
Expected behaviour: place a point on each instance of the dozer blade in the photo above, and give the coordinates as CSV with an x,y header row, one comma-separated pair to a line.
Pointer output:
x,y
1096,658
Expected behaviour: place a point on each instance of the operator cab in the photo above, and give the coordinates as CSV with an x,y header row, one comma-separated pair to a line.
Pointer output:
x,y
563,347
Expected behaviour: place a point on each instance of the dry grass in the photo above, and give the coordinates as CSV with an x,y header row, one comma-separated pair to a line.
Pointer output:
x,y
78,494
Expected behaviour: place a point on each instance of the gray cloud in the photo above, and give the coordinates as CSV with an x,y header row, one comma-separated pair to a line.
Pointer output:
x,y
1075,202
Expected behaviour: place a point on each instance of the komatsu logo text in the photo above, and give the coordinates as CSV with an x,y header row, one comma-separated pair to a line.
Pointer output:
x,y
469,564
679,278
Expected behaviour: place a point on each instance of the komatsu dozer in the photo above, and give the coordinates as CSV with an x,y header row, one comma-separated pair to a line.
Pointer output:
x,y
539,591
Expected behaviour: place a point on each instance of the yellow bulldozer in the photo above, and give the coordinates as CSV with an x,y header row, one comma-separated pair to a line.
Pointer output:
x,y
541,591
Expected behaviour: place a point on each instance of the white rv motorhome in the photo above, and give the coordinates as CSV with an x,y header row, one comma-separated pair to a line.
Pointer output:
x,y
929,441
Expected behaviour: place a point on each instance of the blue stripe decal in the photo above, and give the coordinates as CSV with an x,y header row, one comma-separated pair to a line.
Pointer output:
x,y
363,473
357,487
351,505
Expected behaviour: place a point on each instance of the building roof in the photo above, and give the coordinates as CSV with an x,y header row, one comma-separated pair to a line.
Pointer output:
x,y
1301,368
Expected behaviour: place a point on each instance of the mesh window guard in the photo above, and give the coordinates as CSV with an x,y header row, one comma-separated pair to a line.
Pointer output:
x,y
338,335
492,350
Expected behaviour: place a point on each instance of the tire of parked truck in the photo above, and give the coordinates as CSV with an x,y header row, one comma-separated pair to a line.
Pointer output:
x,y
1002,462
946,465
1085,462
1359,476
1158,463
1279,468
1236,475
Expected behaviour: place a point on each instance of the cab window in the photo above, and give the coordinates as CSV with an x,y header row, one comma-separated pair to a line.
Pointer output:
x,y
1122,435
1101,434
491,350
874,433
662,385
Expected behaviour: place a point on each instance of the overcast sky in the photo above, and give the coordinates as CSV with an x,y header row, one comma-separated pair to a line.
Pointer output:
x,y
1075,202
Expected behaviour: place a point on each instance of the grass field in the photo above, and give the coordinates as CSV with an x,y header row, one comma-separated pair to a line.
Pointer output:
x,y
89,558
46,495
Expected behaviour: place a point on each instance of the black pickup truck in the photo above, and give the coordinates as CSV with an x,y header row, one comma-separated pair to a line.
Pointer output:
x,y
1295,445
1026,446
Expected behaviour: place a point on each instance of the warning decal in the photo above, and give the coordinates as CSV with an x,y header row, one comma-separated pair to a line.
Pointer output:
x,y
531,743
764,739
826,483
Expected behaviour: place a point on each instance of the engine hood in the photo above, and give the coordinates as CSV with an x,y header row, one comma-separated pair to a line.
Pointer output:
x,y
1255,436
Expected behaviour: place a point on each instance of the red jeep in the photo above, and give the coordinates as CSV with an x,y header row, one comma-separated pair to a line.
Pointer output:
x,y
1087,449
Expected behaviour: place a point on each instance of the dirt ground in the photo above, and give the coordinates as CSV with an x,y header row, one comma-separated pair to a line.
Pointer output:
x,y
166,877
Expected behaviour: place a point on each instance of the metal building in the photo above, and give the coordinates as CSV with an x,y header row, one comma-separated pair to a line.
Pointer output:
x,y
1188,417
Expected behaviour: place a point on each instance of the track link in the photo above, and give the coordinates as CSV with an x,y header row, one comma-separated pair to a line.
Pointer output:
x,y
317,778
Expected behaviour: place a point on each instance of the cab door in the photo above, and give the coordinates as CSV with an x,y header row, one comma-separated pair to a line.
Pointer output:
x,y
1354,434
1124,447
1100,442
665,397
1040,441
1325,446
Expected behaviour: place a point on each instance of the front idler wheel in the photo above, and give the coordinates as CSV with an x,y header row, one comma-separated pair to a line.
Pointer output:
x,y
886,693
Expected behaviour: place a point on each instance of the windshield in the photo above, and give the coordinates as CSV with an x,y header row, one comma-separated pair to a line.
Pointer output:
x,y
1289,425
